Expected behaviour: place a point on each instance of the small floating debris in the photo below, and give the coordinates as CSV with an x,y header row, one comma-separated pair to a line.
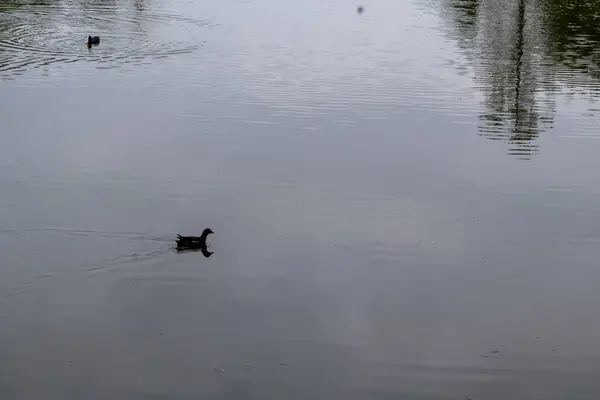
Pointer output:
x,y
495,351
219,369
360,9
483,355
284,363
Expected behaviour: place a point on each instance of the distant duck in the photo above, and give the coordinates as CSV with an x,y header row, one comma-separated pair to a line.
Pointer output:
x,y
93,40
194,242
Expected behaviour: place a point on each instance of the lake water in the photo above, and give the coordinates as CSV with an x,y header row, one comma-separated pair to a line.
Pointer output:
x,y
406,201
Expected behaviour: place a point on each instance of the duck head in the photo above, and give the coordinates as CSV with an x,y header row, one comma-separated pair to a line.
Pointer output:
x,y
207,232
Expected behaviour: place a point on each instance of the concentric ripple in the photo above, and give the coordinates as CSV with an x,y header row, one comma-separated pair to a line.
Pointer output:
x,y
32,35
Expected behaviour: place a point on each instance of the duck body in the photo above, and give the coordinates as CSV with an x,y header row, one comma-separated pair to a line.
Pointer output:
x,y
93,40
193,242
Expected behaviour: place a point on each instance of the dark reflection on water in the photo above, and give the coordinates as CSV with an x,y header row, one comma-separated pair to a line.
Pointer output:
x,y
573,36
524,53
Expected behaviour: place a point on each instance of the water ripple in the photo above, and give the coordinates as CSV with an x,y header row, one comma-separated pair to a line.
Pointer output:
x,y
33,36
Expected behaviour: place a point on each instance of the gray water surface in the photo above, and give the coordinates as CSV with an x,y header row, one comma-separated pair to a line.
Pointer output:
x,y
405,202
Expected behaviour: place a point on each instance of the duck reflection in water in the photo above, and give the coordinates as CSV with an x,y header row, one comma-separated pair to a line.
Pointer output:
x,y
195,243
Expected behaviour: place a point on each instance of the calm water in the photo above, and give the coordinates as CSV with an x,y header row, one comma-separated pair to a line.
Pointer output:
x,y
406,202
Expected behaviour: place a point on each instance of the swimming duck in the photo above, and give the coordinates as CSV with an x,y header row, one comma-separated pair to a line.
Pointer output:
x,y
93,40
194,242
